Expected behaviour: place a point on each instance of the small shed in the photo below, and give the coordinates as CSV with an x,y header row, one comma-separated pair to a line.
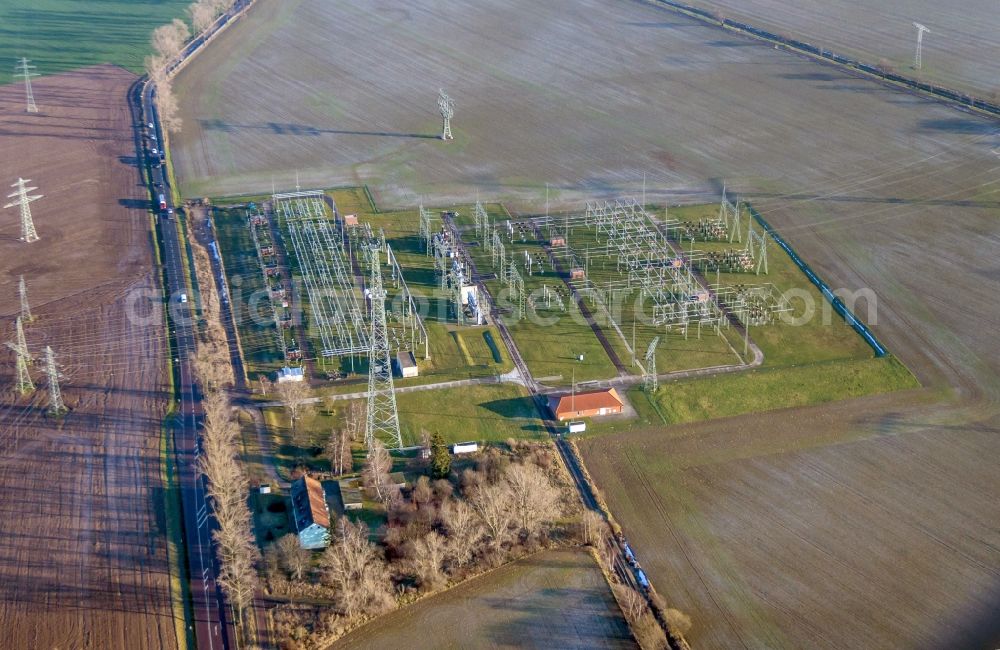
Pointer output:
x,y
576,273
350,494
464,448
310,513
558,240
350,220
406,364
291,374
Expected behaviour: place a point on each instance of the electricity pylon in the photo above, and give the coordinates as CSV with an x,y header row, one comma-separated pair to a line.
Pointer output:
x,y
650,380
447,107
56,406
25,70
20,348
918,57
383,419
28,233
22,289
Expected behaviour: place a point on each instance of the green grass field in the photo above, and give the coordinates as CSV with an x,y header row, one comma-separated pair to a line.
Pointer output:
x,y
59,35
485,413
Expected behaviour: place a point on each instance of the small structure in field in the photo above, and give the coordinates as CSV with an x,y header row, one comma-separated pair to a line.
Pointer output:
x,y
557,240
290,374
310,512
350,220
406,365
397,479
576,273
265,488
464,448
587,404
350,494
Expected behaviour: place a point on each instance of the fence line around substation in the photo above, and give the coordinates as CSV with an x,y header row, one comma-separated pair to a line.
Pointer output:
x,y
837,304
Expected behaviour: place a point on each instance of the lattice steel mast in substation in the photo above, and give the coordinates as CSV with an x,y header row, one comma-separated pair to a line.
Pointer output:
x,y
383,419
24,69
20,348
447,107
23,201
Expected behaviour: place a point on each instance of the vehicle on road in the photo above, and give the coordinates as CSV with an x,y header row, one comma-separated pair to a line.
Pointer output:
x,y
163,202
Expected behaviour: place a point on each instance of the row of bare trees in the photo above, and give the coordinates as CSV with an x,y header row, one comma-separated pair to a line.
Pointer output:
x,y
168,41
219,461
227,487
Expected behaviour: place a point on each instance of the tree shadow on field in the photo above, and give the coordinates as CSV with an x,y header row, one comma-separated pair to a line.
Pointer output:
x,y
514,407
135,204
964,126
286,128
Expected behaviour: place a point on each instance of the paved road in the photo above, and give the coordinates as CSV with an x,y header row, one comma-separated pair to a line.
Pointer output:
x,y
212,628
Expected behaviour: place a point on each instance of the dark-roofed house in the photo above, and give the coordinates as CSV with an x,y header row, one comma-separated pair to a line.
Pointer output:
x,y
311,514
586,404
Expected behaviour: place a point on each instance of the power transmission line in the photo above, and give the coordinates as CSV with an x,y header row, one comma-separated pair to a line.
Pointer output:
x,y
24,69
28,233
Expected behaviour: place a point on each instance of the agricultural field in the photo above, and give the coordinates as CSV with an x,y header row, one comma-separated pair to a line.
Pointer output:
x,y
555,599
99,31
85,560
876,188
954,53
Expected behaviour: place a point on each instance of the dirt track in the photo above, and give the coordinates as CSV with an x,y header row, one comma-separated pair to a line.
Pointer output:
x,y
84,562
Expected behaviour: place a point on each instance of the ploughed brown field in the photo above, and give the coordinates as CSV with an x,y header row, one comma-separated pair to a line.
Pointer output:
x,y
83,563
869,523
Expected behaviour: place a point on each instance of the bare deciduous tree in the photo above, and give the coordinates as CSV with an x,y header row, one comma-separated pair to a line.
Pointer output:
x,y
202,15
338,451
376,473
632,603
169,39
593,529
492,504
354,420
357,571
533,500
295,395
426,557
294,559
463,528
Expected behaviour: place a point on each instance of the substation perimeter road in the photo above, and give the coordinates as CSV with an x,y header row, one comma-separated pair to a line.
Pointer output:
x,y
212,628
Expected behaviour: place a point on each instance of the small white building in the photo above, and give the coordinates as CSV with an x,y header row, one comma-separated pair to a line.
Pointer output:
x,y
291,374
464,448
406,365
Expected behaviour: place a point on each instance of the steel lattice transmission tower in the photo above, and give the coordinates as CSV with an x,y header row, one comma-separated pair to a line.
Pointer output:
x,y
56,406
447,106
383,419
20,348
650,380
918,57
25,70
28,233
22,290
